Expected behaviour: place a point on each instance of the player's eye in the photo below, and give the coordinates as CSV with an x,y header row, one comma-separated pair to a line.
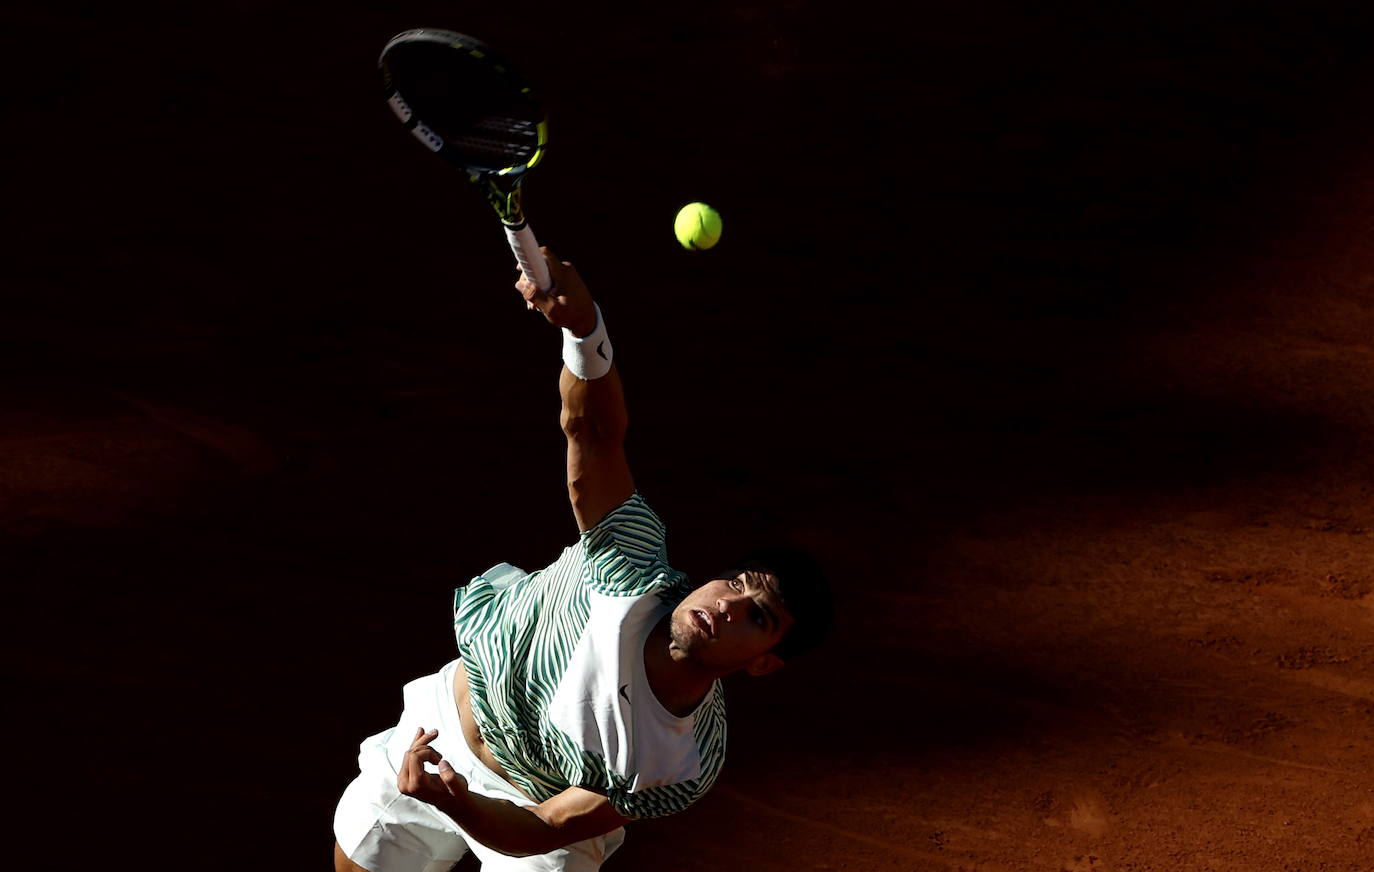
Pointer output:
x,y
736,584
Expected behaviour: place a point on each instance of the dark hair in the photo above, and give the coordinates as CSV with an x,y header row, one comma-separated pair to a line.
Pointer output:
x,y
803,588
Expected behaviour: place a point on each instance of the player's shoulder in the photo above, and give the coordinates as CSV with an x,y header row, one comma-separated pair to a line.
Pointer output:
x,y
633,512
631,527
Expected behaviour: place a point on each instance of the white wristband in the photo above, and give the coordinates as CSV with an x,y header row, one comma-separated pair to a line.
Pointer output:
x,y
588,357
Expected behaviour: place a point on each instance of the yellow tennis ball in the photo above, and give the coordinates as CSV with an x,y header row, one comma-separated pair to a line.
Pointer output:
x,y
697,226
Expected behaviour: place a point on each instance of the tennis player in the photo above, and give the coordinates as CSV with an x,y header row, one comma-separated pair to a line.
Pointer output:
x,y
586,695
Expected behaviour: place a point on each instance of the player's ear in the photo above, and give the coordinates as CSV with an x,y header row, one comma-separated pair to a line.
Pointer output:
x,y
764,664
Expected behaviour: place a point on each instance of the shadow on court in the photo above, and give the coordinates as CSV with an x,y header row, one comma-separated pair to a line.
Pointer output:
x,y
1046,329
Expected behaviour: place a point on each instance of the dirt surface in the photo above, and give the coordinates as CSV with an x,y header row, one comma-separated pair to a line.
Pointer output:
x,y
1049,329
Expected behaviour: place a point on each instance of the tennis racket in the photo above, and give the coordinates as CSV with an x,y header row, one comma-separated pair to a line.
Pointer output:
x,y
468,104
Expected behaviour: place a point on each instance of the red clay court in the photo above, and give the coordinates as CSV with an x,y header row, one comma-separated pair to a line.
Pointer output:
x,y
1048,328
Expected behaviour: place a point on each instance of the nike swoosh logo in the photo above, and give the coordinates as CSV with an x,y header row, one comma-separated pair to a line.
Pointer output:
x,y
623,693
601,350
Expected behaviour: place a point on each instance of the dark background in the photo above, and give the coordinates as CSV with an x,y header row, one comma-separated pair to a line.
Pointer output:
x,y
997,280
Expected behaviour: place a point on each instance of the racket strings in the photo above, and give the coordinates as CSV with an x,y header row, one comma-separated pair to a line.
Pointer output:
x,y
474,108
511,126
498,137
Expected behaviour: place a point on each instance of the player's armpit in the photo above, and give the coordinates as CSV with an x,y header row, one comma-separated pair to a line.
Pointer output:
x,y
578,814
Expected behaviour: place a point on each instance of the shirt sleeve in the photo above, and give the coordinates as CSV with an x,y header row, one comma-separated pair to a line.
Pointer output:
x,y
656,802
625,553
666,799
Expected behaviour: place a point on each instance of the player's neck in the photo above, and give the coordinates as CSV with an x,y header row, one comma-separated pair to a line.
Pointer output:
x,y
678,684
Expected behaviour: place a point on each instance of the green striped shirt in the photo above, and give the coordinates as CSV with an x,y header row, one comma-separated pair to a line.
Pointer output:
x,y
555,666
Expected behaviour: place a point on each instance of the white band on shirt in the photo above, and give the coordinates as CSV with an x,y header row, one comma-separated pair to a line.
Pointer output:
x,y
589,357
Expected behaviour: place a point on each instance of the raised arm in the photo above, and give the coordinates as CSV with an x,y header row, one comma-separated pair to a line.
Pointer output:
x,y
594,418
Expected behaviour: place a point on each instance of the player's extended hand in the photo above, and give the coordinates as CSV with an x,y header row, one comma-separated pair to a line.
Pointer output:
x,y
447,791
566,304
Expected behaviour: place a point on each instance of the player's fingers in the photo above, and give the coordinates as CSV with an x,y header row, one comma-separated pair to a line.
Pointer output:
x,y
453,782
556,266
423,754
564,275
423,737
413,773
421,785
534,297
413,763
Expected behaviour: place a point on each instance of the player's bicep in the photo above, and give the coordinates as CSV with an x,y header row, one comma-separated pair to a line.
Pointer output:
x,y
578,814
594,421
598,480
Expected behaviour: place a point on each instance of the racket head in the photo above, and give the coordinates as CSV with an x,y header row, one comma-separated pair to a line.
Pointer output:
x,y
466,102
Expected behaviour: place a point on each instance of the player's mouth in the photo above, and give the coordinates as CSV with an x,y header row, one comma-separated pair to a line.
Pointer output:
x,y
704,621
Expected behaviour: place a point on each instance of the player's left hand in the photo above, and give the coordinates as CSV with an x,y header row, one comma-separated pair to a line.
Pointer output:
x,y
447,791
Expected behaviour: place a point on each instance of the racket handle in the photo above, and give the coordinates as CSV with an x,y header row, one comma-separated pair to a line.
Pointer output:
x,y
527,253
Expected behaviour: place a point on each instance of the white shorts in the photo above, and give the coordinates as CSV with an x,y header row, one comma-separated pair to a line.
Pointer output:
x,y
383,830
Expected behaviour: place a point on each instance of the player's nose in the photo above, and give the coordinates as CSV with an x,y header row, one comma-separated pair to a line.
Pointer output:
x,y
729,607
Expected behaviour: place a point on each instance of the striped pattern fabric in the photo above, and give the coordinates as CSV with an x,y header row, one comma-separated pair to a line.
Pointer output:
x,y
516,642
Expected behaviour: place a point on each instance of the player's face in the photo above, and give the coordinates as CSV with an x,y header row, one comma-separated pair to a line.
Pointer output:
x,y
732,623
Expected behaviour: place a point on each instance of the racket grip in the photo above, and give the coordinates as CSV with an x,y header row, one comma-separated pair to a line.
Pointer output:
x,y
527,253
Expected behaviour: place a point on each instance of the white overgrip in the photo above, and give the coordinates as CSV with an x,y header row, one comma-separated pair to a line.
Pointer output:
x,y
527,253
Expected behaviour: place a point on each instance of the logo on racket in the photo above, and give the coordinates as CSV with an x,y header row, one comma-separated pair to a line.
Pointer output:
x,y
399,107
428,137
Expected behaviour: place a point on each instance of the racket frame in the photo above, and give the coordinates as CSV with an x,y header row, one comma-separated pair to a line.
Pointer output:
x,y
502,186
